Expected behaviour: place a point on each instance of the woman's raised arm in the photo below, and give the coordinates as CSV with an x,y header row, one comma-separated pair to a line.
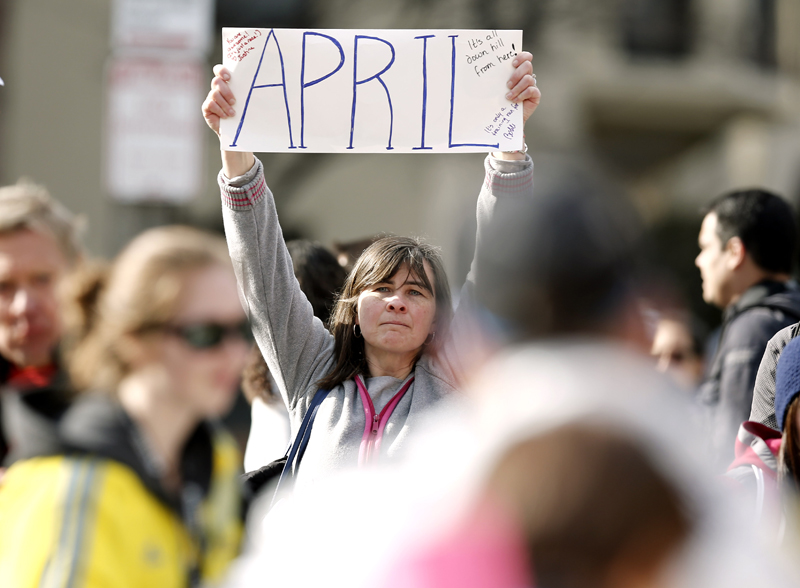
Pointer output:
x,y
294,343
509,175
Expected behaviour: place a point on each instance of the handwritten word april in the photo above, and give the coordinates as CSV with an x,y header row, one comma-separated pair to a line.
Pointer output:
x,y
360,43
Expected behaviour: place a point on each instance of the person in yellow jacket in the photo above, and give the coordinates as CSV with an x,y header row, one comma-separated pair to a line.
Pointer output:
x,y
139,489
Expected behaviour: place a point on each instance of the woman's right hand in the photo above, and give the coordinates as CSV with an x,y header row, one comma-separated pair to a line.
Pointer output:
x,y
219,102
218,105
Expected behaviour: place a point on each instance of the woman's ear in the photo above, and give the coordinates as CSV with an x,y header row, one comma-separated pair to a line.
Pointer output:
x,y
431,334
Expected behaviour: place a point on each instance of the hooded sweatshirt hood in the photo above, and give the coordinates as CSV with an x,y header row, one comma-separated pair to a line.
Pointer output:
x,y
757,445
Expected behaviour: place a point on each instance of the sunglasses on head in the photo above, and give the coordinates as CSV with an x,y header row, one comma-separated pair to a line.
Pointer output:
x,y
210,335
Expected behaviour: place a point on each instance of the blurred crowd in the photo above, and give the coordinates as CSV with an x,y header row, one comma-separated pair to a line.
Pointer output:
x,y
558,427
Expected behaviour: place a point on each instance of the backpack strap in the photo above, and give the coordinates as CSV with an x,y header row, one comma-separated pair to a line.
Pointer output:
x,y
298,448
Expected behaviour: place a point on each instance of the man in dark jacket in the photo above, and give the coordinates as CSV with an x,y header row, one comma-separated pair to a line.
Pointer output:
x,y
38,246
747,245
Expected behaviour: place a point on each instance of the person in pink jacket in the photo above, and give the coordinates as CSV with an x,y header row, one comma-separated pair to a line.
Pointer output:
x,y
767,462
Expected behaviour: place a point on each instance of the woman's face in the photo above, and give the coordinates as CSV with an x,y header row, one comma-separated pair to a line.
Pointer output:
x,y
200,377
397,315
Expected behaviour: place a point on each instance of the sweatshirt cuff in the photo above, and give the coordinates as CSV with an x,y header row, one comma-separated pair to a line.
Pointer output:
x,y
507,166
243,191
509,176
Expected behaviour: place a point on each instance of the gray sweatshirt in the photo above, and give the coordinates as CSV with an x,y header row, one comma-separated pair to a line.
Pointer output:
x,y
299,350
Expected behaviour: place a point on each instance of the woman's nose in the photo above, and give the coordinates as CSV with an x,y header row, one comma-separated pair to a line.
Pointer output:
x,y
396,303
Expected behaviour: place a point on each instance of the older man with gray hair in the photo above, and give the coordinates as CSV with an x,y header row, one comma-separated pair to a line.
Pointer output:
x,y
38,246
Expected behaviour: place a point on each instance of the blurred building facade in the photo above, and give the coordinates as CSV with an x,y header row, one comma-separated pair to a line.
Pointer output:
x,y
676,99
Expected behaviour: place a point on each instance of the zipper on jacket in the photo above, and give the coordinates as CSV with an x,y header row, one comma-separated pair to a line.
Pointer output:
x,y
375,423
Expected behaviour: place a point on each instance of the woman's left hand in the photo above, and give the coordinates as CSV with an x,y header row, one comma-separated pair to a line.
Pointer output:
x,y
522,85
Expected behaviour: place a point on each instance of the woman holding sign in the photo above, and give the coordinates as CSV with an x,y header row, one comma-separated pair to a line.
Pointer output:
x,y
393,350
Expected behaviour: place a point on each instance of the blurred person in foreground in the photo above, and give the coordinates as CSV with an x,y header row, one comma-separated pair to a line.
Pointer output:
x,y
320,276
747,242
140,489
588,457
558,283
39,246
553,508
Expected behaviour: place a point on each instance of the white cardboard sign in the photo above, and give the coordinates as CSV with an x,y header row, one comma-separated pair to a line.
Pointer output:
x,y
371,91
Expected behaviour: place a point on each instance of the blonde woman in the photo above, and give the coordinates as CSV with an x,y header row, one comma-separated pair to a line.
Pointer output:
x,y
141,490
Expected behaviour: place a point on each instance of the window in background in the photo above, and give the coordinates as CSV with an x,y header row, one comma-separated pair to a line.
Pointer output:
x,y
657,28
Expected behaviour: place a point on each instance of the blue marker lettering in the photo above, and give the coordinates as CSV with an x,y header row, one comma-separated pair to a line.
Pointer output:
x,y
424,87
452,103
253,86
304,85
377,76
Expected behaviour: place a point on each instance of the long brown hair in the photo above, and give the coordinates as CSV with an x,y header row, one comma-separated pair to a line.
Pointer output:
x,y
789,455
379,262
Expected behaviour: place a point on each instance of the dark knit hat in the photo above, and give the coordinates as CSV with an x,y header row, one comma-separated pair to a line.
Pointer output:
x,y
787,380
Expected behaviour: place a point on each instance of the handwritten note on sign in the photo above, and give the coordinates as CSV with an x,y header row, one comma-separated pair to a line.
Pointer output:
x,y
371,91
